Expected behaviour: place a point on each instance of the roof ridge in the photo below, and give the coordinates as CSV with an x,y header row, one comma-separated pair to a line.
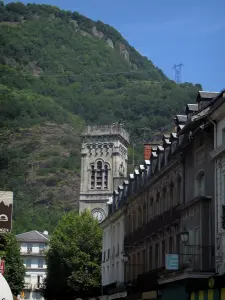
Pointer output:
x,y
41,234
25,232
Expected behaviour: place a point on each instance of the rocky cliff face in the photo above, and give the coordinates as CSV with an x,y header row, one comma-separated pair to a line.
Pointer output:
x,y
100,35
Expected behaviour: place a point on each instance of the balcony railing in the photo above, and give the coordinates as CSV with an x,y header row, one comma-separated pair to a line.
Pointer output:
x,y
27,286
39,286
29,253
153,226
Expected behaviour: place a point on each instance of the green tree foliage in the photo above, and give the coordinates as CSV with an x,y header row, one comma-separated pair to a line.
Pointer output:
x,y
53,69
73,260
14,268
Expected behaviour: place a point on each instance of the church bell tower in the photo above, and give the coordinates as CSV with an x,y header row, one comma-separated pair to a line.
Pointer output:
x,y
104,157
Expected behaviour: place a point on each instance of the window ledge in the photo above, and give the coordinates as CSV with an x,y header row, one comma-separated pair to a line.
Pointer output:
x,y
218,151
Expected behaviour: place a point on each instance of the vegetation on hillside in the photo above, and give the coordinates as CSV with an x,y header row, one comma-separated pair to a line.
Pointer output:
x,y
59,67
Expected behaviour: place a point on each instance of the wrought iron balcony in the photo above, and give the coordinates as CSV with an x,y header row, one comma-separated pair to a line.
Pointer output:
x,y
160,221
27,286
39,286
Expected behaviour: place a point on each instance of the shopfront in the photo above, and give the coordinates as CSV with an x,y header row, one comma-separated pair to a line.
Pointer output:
x,y
175,291
209,289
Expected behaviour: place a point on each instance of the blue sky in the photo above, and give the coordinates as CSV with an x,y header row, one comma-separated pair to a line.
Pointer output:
x,y
167,32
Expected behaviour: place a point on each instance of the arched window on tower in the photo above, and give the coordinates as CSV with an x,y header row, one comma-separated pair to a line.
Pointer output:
x,y
99,175
92,177
106,171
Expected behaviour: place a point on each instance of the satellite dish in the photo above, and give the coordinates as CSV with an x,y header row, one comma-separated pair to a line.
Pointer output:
x,y
6,293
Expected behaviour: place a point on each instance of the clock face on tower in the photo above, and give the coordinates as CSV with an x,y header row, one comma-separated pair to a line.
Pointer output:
x,y
98,214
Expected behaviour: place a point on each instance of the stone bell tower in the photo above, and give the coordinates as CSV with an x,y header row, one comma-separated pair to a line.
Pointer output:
x,y
103,166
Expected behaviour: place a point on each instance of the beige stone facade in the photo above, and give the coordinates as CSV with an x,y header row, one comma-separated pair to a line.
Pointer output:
x,y
103,166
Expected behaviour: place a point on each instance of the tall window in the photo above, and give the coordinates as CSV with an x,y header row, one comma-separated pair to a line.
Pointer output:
x,y
170,244
139,217
106,177
179,190
223,136
200,184
163,253
144,214
156,256
92,177
171,194
27,263
150,258
223,188
164,200
40,263
152,208
157,203
99,175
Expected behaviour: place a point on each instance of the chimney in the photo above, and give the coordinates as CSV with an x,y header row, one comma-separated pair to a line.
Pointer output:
x,y
147,151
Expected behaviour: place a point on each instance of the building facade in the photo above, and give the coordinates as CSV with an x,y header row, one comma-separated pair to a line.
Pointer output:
x,y
169,209
217,117
103,166
33,246
113,260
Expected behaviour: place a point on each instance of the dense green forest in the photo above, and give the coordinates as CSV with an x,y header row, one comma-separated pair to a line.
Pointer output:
x,y
59,71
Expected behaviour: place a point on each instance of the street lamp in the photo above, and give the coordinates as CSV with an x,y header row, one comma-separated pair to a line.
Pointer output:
x,y
125,258
184,235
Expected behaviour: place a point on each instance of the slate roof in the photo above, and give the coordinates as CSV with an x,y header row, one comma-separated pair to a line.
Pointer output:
x,y
142,168
160,148
131,176
191,107
181,118
32,236
206,95
167,141
173,135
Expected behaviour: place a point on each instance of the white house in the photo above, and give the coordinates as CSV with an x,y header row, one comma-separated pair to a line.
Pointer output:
x,y
33,245
113,262
217,117
112,249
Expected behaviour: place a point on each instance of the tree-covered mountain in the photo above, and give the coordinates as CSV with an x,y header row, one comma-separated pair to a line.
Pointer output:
x,y
58,71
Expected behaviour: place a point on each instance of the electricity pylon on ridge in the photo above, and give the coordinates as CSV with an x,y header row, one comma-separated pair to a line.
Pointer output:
x,y
177,71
